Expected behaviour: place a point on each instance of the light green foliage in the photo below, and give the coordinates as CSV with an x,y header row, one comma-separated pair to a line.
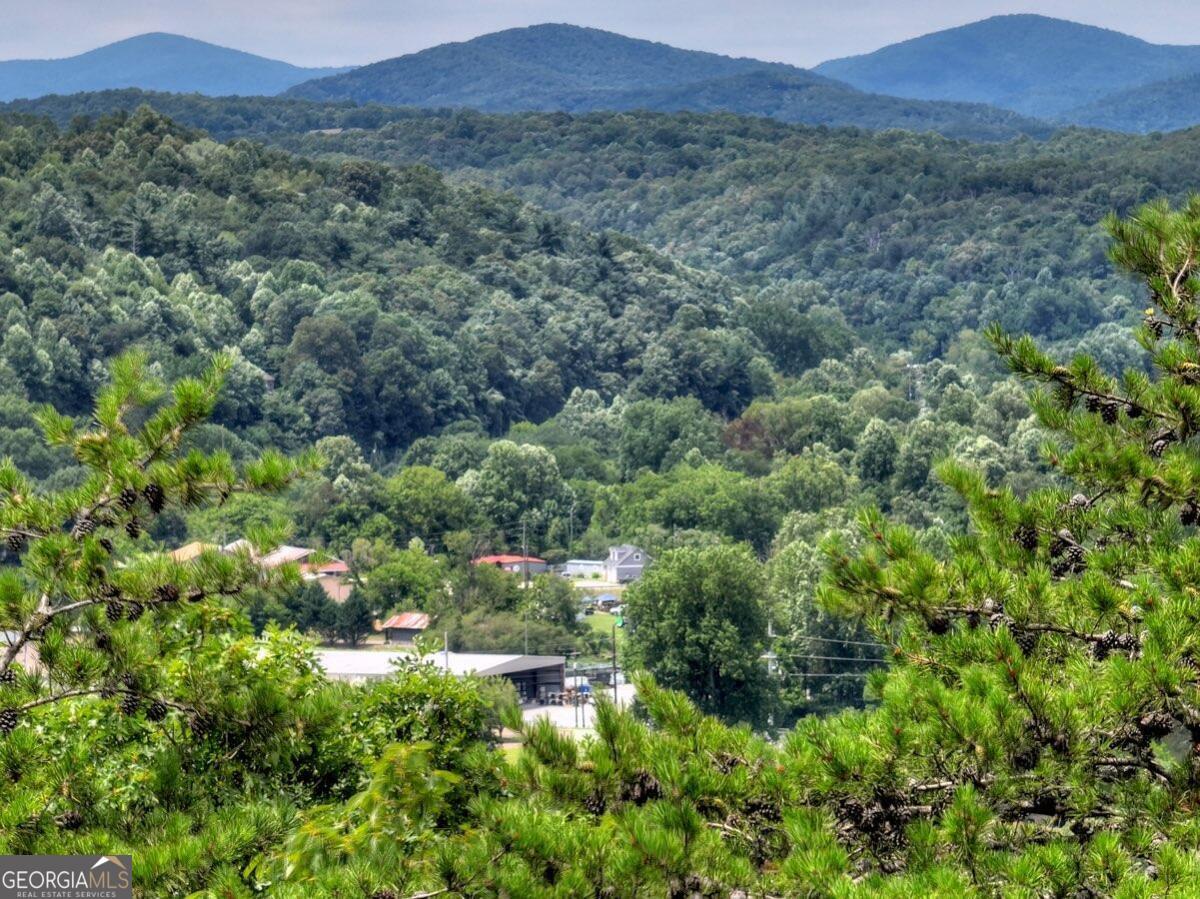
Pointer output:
x,y
408,580
517,483
697,623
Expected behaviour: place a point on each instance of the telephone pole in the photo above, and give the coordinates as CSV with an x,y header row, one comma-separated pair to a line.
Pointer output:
x,y
614,654
525,556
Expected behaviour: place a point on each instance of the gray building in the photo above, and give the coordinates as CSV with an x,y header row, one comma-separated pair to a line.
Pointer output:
x,y
535,677
625,563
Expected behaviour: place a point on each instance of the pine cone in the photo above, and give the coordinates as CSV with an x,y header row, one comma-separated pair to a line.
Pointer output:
x,y
1159,446
1155,327
106,545
1156,724
1063,540
166,593
384,894
8,677
1027,640
1103,647
103,642
111,591
127,498
15,543
641,789
133,528
1072,560
1026,536
134,611
69,820
9,718
1108,412
114,611
154,497
1026,757
939,625
129,681
1092,404
130,703
595,803
157,710
201,724
108,689
1189,514
83,527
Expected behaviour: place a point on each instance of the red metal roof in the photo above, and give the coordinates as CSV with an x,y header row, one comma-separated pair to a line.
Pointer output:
x,y
416,621
508,560
333,566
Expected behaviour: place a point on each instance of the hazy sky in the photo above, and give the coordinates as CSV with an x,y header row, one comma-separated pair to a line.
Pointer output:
x,y
336,32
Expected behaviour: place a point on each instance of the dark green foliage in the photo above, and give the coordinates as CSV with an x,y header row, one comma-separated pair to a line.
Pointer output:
x,y
380,303
353,619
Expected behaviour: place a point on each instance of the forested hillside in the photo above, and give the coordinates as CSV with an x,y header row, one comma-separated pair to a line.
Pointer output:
x,y
571,69
404,324
1167,105
916,239
383,303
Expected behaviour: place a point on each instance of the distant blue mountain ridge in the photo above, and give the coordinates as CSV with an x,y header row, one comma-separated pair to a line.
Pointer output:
x,y
991,80
161,62
1031,64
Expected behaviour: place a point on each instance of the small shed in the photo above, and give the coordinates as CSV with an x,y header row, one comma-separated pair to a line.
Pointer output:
x,y
405,627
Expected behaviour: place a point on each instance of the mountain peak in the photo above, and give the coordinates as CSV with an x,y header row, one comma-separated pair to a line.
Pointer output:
x,y
520,68
156,60
1033,64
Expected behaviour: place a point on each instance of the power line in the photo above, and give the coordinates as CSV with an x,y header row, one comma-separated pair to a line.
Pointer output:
x,y
843,642
788,655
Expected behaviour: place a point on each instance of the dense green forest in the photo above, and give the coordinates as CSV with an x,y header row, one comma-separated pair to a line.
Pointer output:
x,y
1035,726
755,350
404,324
917,241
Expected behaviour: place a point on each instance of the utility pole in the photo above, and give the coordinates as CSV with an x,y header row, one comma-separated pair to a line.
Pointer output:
x,y
614,671
525,556
571,521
